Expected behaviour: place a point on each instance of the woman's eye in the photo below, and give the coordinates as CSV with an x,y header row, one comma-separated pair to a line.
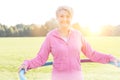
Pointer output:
x,y
61,16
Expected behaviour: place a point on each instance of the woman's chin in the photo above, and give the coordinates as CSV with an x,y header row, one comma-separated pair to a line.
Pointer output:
x,y
65,25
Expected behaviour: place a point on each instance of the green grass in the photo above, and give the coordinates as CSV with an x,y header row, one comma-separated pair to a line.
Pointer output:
x,y
13,51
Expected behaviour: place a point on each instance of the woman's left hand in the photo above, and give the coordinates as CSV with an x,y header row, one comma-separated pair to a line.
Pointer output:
x,y
115,62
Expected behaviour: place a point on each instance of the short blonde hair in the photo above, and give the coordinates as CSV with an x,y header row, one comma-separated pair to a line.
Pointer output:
x,y
66,8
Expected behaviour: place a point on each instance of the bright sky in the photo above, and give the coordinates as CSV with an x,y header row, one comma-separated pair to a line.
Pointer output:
x,y
86,12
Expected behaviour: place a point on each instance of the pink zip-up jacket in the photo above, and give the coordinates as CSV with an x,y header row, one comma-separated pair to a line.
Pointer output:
x,y
66,55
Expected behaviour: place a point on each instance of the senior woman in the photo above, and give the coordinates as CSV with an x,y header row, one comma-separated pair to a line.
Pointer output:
x,y
65,44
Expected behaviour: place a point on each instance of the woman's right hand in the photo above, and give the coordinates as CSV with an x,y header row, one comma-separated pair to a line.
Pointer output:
x,y
23,66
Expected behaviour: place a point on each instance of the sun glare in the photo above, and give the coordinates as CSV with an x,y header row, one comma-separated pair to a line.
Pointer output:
x,y
95,30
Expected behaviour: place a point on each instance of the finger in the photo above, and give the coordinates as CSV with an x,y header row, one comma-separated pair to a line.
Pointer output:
x,y
25,67
117,61
22,67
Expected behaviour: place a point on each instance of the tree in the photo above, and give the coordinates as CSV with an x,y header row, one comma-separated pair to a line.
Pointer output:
x,y
51,24
117,30
2,31
107,30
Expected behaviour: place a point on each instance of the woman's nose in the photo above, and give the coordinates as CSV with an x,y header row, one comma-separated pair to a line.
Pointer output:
x,y
65,18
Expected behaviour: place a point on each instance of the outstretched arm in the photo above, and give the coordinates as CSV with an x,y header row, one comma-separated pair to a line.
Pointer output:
x,y
41,57
94,55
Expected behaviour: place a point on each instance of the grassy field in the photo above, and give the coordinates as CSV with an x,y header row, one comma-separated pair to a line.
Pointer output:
x,y
13,51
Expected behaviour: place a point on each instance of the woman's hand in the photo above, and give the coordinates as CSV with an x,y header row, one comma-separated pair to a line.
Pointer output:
x,y
23,66
115,62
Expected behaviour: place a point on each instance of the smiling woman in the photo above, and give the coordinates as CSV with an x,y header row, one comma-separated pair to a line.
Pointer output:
x,y
65,44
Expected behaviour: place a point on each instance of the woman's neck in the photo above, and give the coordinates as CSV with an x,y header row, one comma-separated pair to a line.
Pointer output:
x,y
64,32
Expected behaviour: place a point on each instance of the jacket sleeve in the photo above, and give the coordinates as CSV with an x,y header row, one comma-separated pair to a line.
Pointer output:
x,y
41,57
94,55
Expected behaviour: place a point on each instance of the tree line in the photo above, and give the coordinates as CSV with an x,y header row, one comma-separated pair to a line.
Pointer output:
x,y
22,30
33,30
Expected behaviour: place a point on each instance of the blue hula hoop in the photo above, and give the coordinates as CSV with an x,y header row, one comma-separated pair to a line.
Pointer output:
x,y
22,71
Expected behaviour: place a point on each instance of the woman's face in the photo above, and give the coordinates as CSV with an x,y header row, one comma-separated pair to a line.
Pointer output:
x,y
64,18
